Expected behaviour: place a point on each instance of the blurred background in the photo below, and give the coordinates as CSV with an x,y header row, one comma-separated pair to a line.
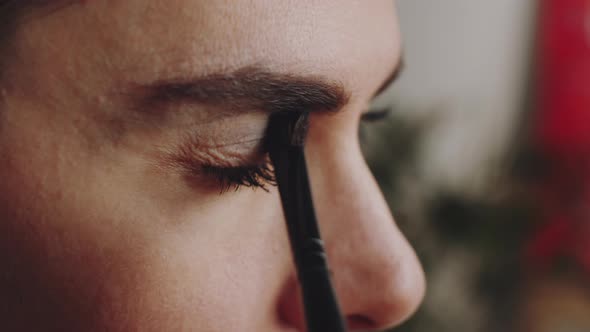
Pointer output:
x,y
485,161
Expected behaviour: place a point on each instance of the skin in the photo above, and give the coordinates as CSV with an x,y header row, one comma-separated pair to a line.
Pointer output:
x,y
97,234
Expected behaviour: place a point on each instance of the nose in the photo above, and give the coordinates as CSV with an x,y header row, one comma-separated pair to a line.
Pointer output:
x,y
376,274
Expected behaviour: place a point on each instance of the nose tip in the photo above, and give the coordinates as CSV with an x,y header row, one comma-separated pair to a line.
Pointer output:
x,y
399,298
379,302
383,293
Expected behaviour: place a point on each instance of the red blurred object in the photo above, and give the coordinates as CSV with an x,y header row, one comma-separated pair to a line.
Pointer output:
x,y
562,131
564,76
549,243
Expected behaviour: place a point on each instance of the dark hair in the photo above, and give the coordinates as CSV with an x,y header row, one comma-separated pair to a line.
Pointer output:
x,y
9,10
12,12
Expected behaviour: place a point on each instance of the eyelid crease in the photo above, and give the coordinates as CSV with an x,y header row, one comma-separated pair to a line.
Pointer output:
x,y
225,145
193,153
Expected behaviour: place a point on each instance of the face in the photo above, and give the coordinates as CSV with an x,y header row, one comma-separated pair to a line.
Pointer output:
x,y
120,203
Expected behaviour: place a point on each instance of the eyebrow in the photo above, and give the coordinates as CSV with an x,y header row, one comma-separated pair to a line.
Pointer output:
x,y
250,89
392,78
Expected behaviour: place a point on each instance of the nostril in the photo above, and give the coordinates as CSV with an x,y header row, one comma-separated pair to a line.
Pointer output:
x,y
356,322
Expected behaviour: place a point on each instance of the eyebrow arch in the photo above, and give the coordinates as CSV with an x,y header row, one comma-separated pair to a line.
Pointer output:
x,y
246,89
392,78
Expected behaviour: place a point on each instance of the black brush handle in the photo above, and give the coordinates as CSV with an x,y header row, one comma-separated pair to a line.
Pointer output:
x,y
322,312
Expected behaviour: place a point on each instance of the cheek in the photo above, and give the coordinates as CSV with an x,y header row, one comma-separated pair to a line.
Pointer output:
x,y
202,284
213,271
119,278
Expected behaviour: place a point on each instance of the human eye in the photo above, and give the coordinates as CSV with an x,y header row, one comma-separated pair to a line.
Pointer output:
x,y
224,177
376,114
372,118
223,167
242,162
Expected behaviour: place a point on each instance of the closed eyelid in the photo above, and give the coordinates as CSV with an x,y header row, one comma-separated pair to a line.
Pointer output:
x,y
220,170
193,148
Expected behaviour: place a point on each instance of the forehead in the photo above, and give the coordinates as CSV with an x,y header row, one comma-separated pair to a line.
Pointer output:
x,y
352,41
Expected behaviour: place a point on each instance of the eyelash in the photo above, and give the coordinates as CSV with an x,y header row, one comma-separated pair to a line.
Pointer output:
x,y
262,176
256,176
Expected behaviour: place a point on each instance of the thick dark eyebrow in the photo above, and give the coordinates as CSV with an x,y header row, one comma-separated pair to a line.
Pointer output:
x,y
247,89
251,89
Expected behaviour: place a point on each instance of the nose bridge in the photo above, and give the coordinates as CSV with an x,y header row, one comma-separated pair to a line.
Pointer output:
x,y
375,271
